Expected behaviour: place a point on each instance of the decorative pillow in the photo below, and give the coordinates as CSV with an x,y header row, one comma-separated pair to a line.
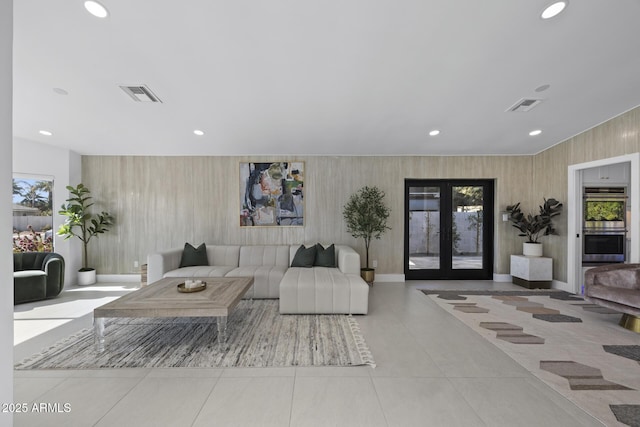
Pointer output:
x,y
304,257
325,257
194,256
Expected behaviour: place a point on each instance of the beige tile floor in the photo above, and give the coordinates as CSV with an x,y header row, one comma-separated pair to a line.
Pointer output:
x,y
431,371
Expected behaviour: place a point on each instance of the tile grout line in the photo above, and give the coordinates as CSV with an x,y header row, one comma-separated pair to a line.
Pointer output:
x,y
293,393
375,389
120,400
373,383
204,402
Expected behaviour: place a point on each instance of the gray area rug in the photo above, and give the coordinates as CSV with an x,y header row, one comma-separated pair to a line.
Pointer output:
x,y
258,336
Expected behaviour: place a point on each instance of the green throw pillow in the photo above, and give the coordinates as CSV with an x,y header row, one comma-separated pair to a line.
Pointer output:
x,y
194,256
304,257
325,257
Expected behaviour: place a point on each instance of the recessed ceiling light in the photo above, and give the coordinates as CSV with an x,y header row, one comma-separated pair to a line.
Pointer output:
x,y
96,9
45,133
553,9
542,88
535,132
434,132
198,132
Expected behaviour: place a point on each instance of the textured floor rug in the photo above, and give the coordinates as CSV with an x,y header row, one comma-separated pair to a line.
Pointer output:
x,y
258,336
576,348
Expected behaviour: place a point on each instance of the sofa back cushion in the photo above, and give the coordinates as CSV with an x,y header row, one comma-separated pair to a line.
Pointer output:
x,y
29,260
264,255
17,262
228,255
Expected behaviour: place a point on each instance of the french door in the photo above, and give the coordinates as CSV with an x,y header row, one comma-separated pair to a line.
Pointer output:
x,y
448,229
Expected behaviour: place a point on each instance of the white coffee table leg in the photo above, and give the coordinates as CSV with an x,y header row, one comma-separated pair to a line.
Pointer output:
x,y
222,331
98,329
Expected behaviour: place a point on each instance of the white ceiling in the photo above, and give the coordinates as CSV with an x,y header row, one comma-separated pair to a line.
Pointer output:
x,y
330,77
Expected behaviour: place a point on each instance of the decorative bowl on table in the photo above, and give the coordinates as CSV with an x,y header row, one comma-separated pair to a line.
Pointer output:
x,y
182,287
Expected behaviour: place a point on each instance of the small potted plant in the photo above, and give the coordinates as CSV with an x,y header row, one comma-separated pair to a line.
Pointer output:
x,y
535,226
366,216
84,225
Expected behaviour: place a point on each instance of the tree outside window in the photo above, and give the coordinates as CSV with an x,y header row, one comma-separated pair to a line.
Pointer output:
x,y
32,215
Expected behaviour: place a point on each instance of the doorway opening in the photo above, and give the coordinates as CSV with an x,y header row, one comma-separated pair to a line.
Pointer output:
x,y
579,177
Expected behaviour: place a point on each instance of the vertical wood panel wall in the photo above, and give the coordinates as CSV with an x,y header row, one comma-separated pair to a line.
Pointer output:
x,y
616,137
163,202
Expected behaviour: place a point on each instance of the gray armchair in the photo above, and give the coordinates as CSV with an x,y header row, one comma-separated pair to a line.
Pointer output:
x,y
616,286
37,276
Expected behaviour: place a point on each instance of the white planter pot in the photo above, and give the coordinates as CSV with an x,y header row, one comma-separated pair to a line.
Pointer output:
x,y
531,249
86,278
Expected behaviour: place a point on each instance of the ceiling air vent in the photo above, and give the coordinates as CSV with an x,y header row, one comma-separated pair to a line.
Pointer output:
x,y
140,93
524,105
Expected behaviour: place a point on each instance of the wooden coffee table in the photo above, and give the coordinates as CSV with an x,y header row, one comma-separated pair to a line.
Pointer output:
x,y
162,299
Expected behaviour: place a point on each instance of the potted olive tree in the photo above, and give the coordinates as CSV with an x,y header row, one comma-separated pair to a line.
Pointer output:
x,y
535,226
366,216
84,225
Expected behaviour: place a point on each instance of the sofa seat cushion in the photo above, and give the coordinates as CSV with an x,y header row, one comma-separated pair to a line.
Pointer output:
x,y
322,290
266,279
200,271
29,273
623,296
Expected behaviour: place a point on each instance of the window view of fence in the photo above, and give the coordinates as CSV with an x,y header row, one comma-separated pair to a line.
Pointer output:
x,y
32,215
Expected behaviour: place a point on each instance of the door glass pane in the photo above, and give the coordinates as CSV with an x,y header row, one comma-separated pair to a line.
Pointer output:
x,y
424,228
466,227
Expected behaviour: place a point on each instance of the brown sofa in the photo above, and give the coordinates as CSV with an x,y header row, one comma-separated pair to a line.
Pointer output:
x,y
616,286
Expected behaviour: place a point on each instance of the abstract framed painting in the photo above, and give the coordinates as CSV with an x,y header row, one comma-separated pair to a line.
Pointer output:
x,y
271,194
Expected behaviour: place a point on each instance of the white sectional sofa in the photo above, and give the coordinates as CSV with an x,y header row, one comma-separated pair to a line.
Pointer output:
x,y
267,265
320,290
323,289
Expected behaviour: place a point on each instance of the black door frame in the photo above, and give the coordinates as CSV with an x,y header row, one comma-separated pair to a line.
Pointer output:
x,y
445,272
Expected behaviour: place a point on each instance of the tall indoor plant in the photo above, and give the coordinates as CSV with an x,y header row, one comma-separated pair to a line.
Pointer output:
x,y
535,226
366,216
84,225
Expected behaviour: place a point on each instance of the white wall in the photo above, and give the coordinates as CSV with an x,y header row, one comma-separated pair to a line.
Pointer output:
x,y
6,259
33,158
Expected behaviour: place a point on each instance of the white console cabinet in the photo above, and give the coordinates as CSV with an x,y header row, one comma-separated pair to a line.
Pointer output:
x,y
532,272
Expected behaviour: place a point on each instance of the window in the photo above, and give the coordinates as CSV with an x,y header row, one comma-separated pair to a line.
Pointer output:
x,y
32,214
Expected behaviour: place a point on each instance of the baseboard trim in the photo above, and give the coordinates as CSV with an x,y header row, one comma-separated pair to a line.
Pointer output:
x,y
563,286
389,278
118,278
501,277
